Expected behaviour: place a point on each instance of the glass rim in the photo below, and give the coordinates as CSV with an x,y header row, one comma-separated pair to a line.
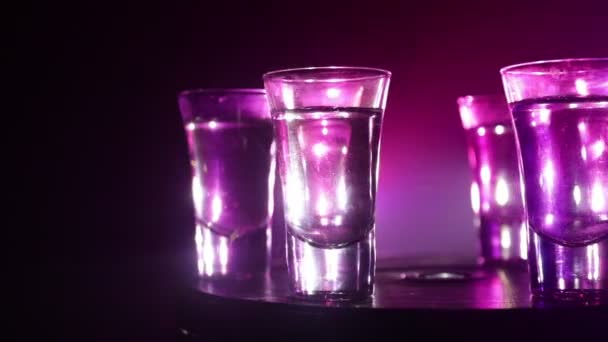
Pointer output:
x,y
473,98
530,68
226,91
283,74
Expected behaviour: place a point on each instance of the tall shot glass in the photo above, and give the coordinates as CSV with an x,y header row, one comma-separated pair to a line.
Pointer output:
x,y
327,124
495,189
560,114
232,154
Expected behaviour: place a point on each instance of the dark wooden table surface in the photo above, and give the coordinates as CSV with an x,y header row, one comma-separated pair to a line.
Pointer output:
x,y
422,301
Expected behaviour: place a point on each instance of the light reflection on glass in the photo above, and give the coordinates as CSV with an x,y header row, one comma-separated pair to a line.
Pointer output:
x,y
582,127
288,97
581,87
197,196
549,219
485,174
598,202
290,117
596,261
597,149
544,115
216,208
475,197
223,255
331,265
505,237
322,205
198,240
208,255
271,179
548,176
590,262
499,129
295,198
332,93
523,241
308,269
584,153
338,220
320,149
502,192
539,260
576,193
466,116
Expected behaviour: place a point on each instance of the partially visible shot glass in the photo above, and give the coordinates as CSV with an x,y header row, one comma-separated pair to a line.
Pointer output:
x,y
560,113
328,125
495,190
232,155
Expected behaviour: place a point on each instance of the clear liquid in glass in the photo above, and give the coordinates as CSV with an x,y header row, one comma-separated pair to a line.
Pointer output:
x,y
328,161
495,193
565,169
232,187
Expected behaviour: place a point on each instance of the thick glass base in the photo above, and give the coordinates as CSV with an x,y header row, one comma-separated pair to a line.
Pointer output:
x,y
559,298
340,274
568,274
243,257
503,242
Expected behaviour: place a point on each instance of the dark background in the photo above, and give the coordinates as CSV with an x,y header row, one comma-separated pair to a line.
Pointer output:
x,y
109,212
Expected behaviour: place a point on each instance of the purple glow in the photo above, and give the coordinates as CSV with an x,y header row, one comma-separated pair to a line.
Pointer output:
x,y
231,146
326,174
333,93
475,198
598,198
547,180
597,149
328,136
581,87
572,188
560,111
495,190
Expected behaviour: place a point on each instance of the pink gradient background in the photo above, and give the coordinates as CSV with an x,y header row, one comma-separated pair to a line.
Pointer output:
x,y
112,77
423,205
105,152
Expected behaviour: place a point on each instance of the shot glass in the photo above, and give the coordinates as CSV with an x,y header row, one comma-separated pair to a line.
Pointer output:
x,y
495,190
560,114
232,155
327,124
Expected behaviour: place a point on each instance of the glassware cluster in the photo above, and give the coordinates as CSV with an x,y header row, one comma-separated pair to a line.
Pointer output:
x,y
537,155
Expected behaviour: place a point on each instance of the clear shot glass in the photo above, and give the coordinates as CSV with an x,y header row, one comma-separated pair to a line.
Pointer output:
x,y
328,124
495,188
560,114
232,155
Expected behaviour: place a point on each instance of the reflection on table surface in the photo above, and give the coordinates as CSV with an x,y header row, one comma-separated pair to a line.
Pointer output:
x,y
425,287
